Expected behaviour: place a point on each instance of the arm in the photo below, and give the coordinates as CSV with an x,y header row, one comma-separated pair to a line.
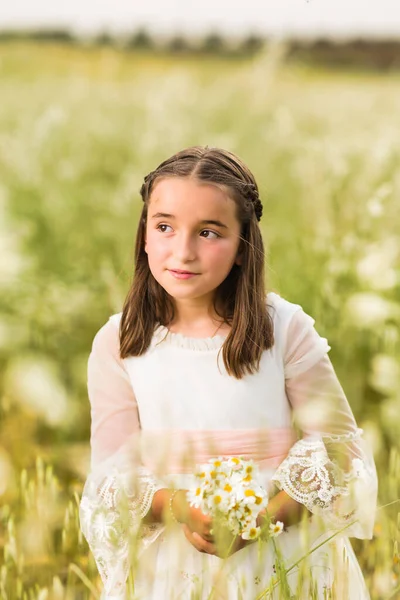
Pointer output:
x,y
118,491
283,507
330,470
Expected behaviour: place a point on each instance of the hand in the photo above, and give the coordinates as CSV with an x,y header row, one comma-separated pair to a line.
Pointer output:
x,y
196,521
226,546
199,542
197,528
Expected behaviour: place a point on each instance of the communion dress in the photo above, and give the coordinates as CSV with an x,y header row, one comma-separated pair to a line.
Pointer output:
x,y
156,416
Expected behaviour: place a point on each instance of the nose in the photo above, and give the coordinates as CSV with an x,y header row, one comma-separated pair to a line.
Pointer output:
x,y
184,248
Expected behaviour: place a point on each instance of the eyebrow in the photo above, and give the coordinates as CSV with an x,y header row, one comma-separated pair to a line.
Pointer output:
x,y
160,215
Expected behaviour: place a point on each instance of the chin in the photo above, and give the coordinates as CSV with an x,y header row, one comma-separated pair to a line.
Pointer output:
x,y
180,293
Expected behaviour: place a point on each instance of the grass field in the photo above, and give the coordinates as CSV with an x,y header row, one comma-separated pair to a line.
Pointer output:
x,y
79,129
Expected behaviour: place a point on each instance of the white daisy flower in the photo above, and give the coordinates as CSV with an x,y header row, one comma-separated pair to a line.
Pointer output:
x,y
251,533
275,529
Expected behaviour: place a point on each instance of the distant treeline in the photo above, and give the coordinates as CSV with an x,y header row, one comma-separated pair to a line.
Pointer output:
x,y
382,54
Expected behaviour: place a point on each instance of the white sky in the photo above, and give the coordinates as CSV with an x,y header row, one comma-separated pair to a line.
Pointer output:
x,y
344,17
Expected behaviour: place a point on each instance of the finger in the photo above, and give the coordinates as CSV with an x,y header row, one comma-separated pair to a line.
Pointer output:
x,y
208,536
203,545
198,542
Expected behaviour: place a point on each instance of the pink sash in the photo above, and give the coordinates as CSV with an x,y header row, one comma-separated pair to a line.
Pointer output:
x,y
178,451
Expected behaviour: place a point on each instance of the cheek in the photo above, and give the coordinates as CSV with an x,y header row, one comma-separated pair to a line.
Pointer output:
x,y
154,244
221,254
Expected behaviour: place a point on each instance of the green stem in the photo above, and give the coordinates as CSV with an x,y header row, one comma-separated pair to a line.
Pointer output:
x,y
85,580
259,597
229,551
274,584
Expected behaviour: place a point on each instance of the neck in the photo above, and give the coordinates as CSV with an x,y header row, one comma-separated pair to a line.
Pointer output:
x,y
195,316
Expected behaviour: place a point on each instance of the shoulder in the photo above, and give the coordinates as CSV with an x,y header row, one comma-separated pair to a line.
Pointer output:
x,y
280,309
106,340
289,319
299,343
281,312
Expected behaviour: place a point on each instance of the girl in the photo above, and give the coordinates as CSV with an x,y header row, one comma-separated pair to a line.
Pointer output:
x,y
203,363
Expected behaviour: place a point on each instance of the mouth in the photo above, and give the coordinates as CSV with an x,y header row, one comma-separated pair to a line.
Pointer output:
x,y
182,272
182,275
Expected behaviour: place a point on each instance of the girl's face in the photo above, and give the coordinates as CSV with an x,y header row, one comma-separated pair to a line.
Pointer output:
x,y
191,227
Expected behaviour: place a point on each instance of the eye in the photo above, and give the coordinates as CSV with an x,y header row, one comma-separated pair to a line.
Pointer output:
x,y
212,233
162,225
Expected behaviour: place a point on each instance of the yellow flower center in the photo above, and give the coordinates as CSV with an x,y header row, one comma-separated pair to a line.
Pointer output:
x,y
252,532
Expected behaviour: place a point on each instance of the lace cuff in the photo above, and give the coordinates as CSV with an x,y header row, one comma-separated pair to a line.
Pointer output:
x,y
111,512
340,495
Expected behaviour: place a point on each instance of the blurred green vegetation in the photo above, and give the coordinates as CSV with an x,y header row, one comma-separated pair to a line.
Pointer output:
x,y
368,53
79,129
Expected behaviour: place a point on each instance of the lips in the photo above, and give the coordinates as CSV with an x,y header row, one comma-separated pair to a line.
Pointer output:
x,y
182,275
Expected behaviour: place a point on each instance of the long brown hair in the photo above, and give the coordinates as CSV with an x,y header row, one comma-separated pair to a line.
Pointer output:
x,y
241,295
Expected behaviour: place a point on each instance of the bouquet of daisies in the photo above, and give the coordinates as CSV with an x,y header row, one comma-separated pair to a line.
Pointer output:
x,y
228,490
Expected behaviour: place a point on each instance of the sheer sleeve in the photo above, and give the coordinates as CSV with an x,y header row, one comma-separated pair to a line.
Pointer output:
x,y
119,490
330,469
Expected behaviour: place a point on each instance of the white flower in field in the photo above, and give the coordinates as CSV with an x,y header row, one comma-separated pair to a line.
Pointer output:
x,y
251,533
252,495
369,309
275,529
249,472
32,381
377,268
195,496
216,463
374,207
383,582
51,118
13,262
220,500
375,203
227,488
385,374
237,511
235,462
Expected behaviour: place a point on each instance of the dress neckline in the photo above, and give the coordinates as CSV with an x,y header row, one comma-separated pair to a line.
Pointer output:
x,y
164,335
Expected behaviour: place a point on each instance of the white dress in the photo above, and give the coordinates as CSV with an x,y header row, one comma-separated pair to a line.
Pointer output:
x,y
155,416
